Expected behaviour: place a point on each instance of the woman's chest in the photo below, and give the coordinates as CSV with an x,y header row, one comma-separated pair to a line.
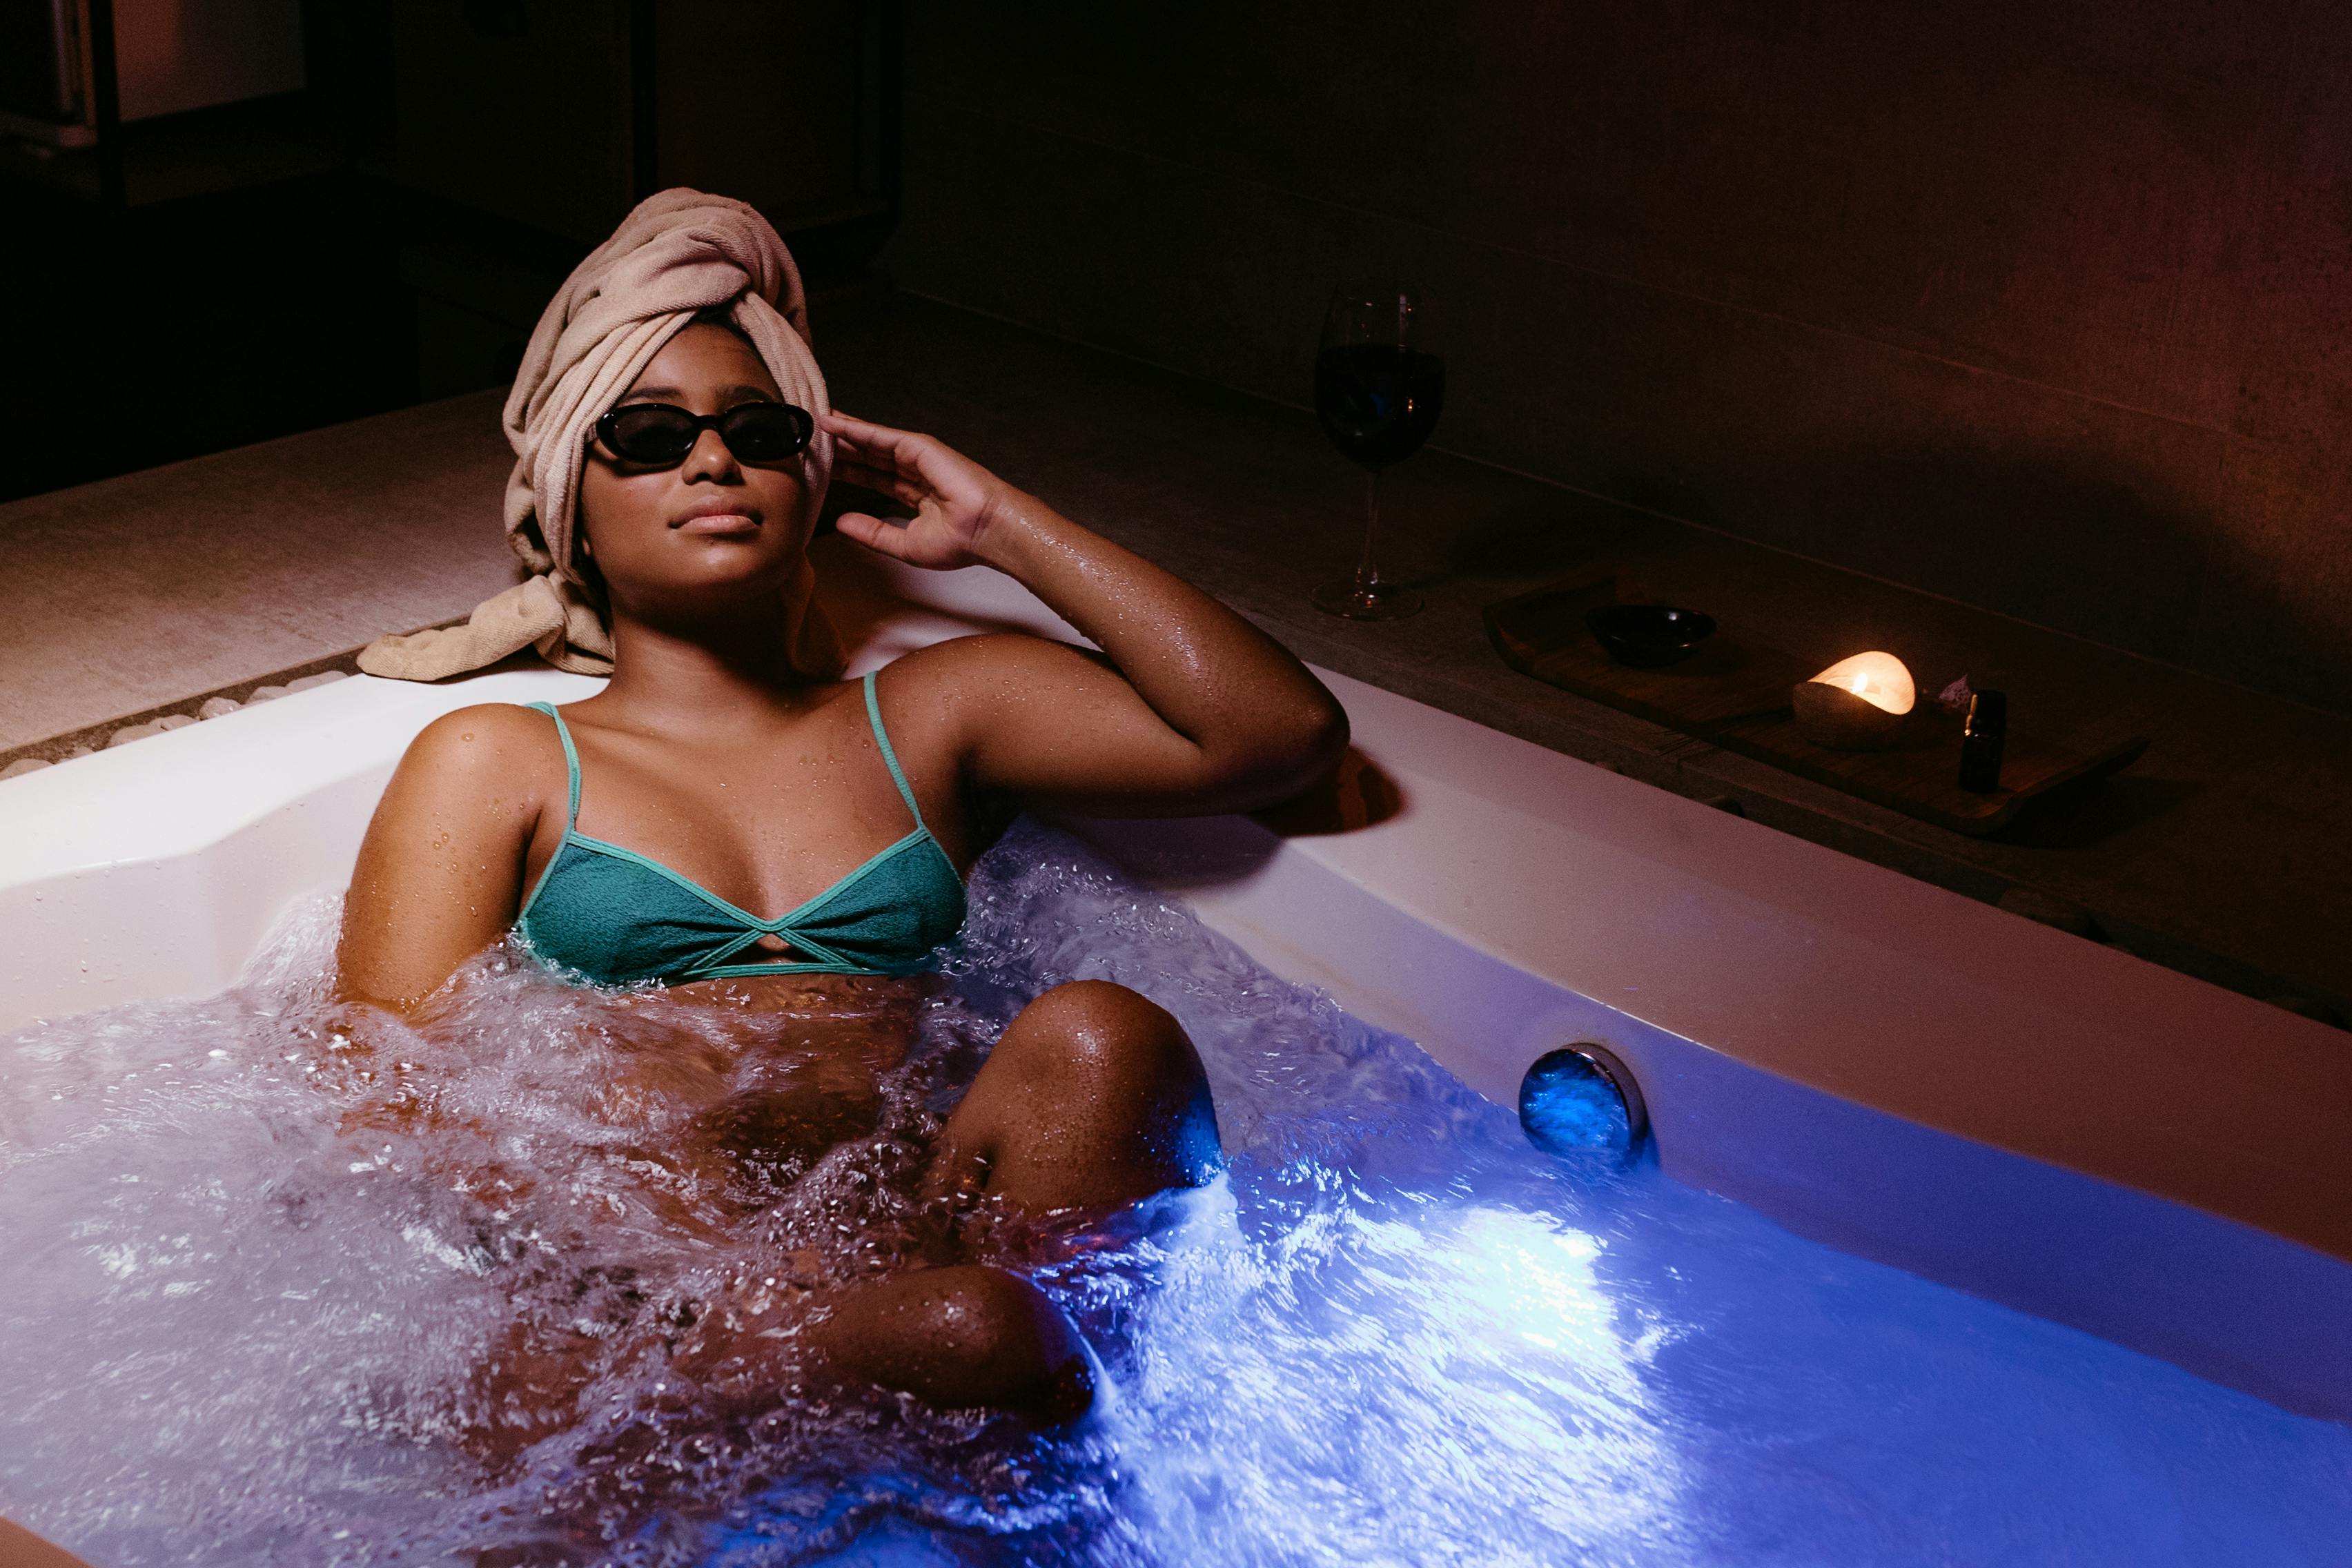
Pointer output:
x,y
766,828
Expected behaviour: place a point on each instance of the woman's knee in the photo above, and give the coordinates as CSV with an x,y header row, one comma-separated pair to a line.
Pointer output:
x,y
959,1337
1095,1029
1095,1097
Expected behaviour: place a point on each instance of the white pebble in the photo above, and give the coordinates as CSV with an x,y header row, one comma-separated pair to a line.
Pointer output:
x,y
216,706
265,694
24,765
174,721
81,751
324,677
129,733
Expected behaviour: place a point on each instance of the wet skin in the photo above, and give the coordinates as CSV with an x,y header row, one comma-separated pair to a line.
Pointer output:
x,y
709,754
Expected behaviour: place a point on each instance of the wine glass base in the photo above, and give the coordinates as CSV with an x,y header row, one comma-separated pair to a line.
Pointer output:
x,y
1379,601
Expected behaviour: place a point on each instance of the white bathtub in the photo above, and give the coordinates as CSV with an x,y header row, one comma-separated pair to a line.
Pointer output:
x,y
1906,1073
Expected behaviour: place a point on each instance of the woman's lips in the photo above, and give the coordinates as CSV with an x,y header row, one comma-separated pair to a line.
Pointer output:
x,y
718,523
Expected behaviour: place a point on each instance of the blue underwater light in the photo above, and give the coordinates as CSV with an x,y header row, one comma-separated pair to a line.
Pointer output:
x,y
1580,1100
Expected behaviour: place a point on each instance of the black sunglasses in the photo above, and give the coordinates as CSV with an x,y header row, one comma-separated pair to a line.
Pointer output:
x,y
660,434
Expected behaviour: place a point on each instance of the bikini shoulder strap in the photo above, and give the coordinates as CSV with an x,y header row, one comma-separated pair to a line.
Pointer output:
x,y
570,759
882,738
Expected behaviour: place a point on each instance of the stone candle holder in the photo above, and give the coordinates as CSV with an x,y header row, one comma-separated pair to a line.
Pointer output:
x,y
1858,704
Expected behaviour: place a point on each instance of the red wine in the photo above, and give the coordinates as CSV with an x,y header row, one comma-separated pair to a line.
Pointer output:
x,y
1378,402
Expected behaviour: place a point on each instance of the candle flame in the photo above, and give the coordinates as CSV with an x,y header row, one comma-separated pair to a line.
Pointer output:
x,y
1878,679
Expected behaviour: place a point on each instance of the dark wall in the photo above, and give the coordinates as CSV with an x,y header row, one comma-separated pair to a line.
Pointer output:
x,y
393,231
2039,305
169,334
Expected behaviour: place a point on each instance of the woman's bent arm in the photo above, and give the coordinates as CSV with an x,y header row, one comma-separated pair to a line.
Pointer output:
x,y
1227,717
440,872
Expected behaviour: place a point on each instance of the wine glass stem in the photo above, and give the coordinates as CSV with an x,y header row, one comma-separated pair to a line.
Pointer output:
x,y
1368,576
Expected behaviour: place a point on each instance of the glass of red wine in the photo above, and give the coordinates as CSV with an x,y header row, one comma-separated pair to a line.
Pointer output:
x,y
1379,384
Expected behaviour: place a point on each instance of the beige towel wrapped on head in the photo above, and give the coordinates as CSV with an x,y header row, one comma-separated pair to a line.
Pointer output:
x,y
681,252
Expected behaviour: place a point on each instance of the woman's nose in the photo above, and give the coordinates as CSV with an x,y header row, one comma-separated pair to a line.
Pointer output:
x,y
711,459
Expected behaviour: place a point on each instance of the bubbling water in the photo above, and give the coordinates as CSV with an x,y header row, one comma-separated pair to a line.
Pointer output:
x,y
260,1253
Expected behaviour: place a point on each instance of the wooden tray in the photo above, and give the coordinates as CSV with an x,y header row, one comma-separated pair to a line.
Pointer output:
x,y
1734,693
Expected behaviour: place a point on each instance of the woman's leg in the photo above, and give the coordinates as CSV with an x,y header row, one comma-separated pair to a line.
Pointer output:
x,y
1093,1099
960,1336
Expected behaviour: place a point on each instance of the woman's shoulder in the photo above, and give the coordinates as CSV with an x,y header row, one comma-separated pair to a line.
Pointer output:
x,y
494,722
985,657
952,692
489,742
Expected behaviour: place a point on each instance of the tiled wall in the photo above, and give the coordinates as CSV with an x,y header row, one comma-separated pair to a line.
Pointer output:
x,y
2045,305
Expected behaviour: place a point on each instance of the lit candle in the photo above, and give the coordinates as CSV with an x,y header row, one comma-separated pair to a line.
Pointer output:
x,y
1878,679
1856,705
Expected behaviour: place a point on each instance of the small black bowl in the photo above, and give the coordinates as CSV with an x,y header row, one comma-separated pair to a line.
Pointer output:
x,y
1647,636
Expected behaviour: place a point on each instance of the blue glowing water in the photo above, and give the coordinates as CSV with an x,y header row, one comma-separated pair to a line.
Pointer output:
x,y
1393,1333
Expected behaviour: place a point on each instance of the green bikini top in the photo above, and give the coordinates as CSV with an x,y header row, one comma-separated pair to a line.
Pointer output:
x,y
613,916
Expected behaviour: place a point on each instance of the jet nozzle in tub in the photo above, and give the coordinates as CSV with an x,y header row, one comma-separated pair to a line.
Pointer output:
x,y
1581,1099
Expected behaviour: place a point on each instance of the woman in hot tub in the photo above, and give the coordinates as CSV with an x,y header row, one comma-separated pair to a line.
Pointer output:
x,y
731,819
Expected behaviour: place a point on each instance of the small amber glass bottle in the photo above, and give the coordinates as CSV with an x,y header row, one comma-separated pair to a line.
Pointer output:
x,y
1980,741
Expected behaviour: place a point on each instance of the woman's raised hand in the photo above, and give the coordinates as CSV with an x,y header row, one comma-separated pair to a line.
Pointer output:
x,y
954,499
